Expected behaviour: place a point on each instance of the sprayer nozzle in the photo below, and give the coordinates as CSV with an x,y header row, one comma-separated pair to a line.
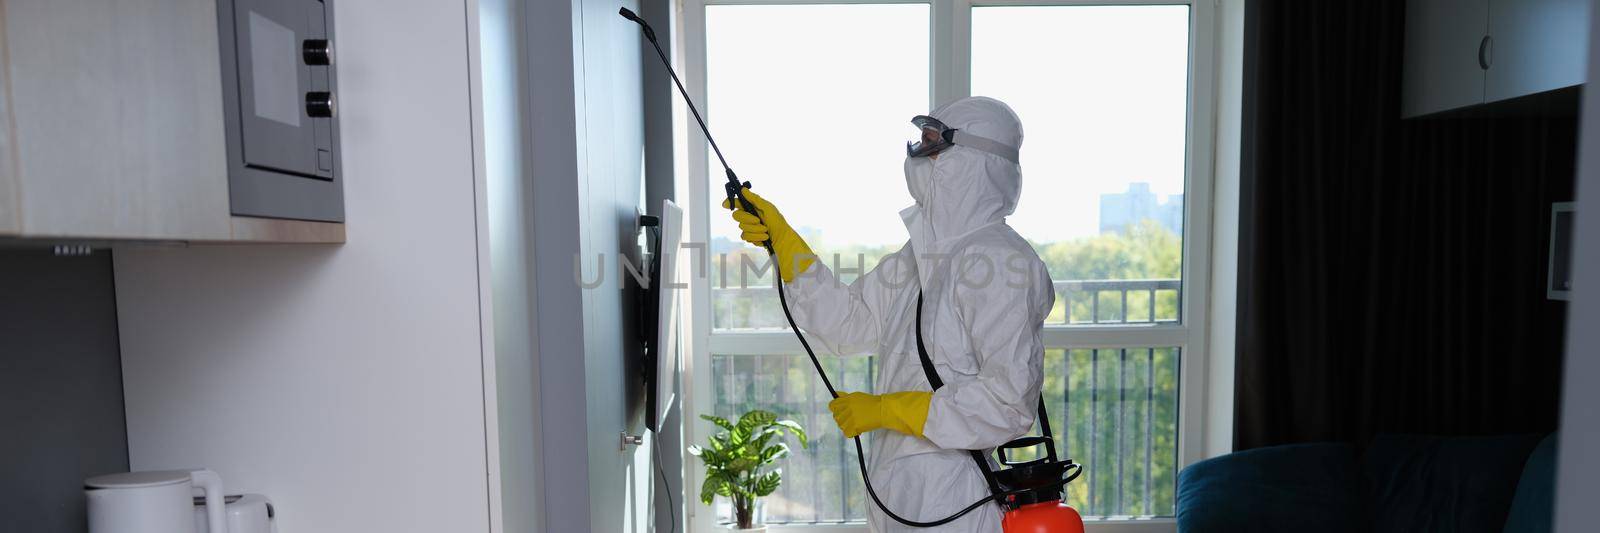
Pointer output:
x,y
649,33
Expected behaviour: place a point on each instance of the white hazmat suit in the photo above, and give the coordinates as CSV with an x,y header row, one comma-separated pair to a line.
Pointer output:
x,y
986,295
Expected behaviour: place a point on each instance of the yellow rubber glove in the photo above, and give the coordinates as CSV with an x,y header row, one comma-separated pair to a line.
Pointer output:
x,y
794,257
859,412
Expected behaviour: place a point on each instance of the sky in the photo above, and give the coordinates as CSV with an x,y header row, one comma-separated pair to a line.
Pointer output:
x,y
812,104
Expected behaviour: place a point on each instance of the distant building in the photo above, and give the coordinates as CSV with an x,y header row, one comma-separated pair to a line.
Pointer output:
x,y
1120,211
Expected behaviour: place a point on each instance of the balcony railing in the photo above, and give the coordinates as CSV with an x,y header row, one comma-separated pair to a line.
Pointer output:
x,y
1114,410
1078,302
1158,300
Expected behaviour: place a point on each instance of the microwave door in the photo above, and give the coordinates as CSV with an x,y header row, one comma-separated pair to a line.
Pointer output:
x,y
275,83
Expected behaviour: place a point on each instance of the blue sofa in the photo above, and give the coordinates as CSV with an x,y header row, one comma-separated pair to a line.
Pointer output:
x,y
1397,483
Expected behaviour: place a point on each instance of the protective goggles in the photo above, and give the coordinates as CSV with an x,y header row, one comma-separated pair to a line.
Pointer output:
x,y
937,137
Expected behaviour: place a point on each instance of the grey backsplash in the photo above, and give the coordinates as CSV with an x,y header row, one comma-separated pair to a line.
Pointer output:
x,y
61,414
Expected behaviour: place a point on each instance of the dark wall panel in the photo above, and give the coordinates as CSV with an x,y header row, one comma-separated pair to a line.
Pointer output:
x,y
61,414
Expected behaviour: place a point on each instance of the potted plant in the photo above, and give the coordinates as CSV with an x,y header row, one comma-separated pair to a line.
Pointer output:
x,y
738,459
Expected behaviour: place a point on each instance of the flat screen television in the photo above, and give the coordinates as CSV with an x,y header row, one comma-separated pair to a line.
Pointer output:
x,y
662,306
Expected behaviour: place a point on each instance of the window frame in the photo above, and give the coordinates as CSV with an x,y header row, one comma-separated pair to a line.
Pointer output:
x,y
950,78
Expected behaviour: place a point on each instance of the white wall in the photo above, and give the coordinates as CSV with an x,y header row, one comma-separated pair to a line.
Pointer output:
x,y
346,382
509,186
1223,312
1578,467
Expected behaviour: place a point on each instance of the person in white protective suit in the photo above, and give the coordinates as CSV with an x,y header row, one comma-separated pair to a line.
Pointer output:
x,y
985,295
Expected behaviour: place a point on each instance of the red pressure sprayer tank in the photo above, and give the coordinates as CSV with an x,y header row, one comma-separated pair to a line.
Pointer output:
x,y
1036,506
1042,517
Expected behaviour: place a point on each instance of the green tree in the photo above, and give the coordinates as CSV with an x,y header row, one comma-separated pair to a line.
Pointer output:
x,y
1146,251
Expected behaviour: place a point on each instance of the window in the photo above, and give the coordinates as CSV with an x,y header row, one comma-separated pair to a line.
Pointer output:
x,y
806,118
812,101
1103,92
818,122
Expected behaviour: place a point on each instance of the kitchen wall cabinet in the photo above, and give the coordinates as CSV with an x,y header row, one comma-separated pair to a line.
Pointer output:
x,y
1441,64
123,120
1536,46
1460,53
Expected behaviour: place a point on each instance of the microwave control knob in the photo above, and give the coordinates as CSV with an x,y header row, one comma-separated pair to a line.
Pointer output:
x,y
317,52
320,104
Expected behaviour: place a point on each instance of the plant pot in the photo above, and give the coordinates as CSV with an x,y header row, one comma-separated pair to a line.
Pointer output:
x,y
758,516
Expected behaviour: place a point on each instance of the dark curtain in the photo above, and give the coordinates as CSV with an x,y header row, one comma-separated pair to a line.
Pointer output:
x,y
1391,271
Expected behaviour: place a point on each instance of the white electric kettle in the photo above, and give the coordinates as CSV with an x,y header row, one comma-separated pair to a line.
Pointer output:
x,y
246,513
153,502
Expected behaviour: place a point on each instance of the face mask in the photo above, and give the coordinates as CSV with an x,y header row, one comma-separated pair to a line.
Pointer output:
x,y
919,179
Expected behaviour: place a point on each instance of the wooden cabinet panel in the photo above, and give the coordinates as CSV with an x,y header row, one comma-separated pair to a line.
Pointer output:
x,y
117,115
268,230
118,120
10,219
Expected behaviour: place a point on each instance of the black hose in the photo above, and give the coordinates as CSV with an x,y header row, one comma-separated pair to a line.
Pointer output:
x,y
671,507
861,457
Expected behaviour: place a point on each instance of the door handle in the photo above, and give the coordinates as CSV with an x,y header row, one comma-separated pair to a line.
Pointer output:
x,y
1486,52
